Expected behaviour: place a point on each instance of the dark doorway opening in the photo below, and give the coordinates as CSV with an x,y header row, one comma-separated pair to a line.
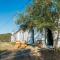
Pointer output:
x,y
49,37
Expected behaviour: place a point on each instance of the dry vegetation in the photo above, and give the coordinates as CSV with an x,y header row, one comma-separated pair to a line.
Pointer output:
x,y
27,53
14,46
6,46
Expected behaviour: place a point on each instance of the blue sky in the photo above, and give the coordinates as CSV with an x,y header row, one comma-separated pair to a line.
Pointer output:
x,y
8,9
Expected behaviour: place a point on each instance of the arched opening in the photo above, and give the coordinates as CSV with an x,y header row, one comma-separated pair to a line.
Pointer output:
x,y
49,37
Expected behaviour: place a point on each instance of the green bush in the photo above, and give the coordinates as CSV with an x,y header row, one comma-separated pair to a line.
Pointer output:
x,y
5,37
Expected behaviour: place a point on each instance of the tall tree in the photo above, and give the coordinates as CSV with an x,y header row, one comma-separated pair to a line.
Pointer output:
x,y
45,14
41,14
25,20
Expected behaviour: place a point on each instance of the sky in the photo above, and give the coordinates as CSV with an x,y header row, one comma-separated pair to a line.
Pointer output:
x,y
9,9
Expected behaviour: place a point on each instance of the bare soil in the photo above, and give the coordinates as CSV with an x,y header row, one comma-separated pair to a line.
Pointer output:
x,y
31,54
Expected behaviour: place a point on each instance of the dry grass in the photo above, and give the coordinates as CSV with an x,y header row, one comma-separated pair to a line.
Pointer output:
x,y
12,46
6,46
34,52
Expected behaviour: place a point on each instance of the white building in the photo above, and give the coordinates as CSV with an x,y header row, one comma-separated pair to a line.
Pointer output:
x,y
26,37
19,36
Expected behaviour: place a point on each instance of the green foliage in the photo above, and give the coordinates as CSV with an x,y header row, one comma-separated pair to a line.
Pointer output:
x,y
44,14
5,37
41,14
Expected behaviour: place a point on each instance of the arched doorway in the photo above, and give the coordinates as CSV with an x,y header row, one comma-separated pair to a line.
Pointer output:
x,y
49,37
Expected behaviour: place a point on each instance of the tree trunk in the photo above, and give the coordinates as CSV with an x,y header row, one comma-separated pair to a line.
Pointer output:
x,y
57,33
45,36
57,37
32,30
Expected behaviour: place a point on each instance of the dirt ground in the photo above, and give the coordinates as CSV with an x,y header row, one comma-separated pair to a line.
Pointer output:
x,y
8,52
28,54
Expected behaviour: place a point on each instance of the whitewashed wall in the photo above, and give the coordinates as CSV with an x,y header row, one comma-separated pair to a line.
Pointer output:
x,y
20,36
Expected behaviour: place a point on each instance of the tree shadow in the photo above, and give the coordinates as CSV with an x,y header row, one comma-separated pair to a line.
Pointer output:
x,y
25,55
4,54
50,54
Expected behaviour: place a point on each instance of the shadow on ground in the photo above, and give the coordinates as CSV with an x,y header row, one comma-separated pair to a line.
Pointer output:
x,y
46,54
25,54
50,54
4,54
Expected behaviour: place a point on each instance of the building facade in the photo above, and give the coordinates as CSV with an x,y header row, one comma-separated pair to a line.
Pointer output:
x,y
26,37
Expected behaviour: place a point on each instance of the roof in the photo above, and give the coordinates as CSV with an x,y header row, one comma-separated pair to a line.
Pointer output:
x,y
21,28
